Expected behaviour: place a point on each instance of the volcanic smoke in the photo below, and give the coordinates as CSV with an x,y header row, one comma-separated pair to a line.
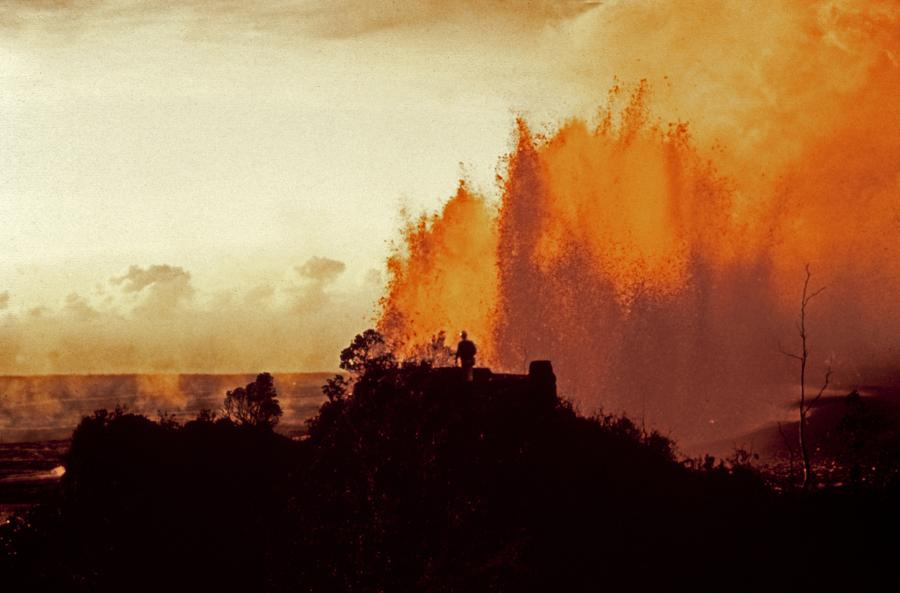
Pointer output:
x,y
662,279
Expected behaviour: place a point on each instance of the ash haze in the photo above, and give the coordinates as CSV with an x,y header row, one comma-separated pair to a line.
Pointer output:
x,y
212,151
216,187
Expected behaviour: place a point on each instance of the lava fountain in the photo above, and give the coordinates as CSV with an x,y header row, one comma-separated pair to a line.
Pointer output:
x,y
659,284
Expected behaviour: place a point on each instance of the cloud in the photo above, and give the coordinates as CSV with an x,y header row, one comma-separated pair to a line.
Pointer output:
x,y
349,18
321,269
319,273
259,295
139,278
759,79
77,306
332,19
162,288
155,320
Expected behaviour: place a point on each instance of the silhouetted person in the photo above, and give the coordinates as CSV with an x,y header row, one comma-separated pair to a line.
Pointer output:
x,y
465,354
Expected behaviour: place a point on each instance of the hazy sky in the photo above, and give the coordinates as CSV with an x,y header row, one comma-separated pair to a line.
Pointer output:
x,y
222,139
215,149
236,143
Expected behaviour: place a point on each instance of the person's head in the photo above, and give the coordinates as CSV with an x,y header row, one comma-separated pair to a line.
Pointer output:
x,y
463,335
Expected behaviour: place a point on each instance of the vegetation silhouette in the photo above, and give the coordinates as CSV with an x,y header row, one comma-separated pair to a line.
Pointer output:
x,y
857,442
412,478
254,405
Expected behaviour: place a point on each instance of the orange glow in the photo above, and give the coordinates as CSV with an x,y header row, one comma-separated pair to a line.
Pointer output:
x,y
198,190
445,279
662,278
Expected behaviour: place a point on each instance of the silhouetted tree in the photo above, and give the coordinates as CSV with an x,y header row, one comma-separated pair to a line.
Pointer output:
x,y
436,353
803,359
256,404
367,352
335,388
205,415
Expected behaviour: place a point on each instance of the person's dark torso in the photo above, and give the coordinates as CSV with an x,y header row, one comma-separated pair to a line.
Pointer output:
x,y
466,349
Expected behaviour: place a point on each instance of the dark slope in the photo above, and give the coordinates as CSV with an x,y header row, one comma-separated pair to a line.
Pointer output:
x,y
421,481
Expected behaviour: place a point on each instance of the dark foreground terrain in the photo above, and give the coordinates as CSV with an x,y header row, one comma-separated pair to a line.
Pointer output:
x,y
421,481
29,473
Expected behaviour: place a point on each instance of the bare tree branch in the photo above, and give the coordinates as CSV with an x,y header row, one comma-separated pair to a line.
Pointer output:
x,y
824,386
804,359
785,352
815,294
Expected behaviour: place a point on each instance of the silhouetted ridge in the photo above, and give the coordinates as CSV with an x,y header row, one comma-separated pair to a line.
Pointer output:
x,y
419,480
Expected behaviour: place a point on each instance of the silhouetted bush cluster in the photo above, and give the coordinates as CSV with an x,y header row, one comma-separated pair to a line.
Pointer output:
x,y
857,440
420,481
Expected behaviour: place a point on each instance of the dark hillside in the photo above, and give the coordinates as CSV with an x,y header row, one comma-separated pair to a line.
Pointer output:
x,y
421,481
